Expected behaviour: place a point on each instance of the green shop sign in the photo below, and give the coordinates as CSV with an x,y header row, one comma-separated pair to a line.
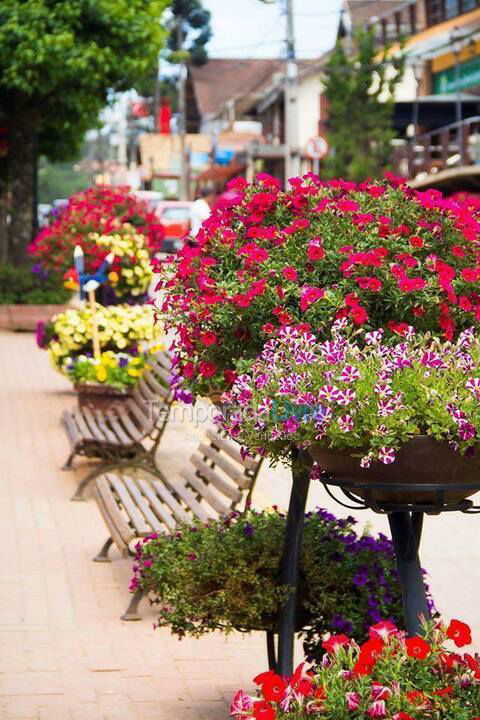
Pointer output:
x,y
447,81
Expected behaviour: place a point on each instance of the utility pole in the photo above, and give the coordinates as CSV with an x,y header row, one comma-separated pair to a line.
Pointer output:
x,y
182,117
292,151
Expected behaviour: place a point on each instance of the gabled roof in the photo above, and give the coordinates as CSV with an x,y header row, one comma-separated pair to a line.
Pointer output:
x,y
359,12
238,79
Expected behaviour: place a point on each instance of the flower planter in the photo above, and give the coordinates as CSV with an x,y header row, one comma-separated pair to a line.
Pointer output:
x,y
421,461
27,317
99,397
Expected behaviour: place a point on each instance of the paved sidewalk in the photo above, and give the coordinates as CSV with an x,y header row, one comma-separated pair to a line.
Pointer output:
x,y
64,654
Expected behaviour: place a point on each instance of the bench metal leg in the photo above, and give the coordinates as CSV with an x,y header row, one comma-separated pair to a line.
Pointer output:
x,y
69,464
78,494
131,613
102,556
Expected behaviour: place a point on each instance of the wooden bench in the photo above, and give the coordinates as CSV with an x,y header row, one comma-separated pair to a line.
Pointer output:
x,y
214,482
129,432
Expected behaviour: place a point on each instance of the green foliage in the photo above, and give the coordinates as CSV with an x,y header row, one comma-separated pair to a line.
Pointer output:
x,y
59,59
360,90
224,576
20,286
59,180
196,32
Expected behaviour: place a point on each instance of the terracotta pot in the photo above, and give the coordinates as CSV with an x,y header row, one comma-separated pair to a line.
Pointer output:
x,y
421,461
99,397
27,317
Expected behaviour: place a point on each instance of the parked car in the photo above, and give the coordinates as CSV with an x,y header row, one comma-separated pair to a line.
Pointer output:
x,y
174,215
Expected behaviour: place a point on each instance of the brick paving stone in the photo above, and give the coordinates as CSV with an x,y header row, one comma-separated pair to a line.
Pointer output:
x,y
64,653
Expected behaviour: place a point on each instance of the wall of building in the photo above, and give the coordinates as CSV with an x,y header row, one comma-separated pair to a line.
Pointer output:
x,y
308,108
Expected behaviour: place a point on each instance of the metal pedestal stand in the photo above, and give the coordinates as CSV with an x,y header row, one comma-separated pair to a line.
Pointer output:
x,y
406,523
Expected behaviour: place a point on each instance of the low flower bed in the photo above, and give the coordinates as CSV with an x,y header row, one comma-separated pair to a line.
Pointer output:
x,y
389,676
357,393
347,581
380,255
124,331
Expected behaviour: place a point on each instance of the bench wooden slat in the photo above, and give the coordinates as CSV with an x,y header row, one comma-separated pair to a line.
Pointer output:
x,y
145,424
130,427
228,468
111,437
123,437
231,449
157,388
78,419
204,491
112,525
134,514
166,496
73,434
140,502
104,486
164,515
179,488
94,427
206,471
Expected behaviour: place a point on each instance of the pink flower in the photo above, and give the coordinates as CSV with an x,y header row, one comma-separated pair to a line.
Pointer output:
x,y
309,295
386,455
289,273
349,374
335,643
241,704
330,393
383,630
377,709
353,700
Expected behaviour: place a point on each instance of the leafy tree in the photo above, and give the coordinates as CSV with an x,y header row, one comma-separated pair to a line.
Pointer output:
x,y
58,61
360,90
194,21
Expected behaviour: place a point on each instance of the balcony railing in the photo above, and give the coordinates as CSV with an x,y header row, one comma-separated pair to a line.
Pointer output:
x,y
451,146
413,17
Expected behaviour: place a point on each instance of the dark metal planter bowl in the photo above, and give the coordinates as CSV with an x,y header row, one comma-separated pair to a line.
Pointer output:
x,y
421,461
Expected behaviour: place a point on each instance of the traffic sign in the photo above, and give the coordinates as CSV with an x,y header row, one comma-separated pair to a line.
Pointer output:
x,y
316,148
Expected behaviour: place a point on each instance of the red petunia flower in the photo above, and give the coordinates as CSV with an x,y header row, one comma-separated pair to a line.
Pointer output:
x,y
263,711
460,633
208,338
417,647
335,643
273,688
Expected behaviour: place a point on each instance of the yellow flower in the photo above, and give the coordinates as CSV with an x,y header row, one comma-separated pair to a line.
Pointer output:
x,y
113,277
133,372
101,373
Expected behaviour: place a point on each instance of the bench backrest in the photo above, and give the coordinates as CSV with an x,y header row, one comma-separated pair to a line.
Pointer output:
x,y
217,478
152,395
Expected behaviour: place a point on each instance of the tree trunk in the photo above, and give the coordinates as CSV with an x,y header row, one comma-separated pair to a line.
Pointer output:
x,y
4,202
23,164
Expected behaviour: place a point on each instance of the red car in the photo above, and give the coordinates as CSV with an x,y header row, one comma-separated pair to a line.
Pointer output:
x,y
174,215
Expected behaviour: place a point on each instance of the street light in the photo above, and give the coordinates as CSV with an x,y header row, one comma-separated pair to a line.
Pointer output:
x,y
292,154
456,37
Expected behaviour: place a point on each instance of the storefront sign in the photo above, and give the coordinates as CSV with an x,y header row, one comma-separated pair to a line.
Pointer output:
x,y
447,81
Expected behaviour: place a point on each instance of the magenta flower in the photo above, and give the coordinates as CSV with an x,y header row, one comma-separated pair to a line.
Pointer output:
x,y
353,700
386,455
377,709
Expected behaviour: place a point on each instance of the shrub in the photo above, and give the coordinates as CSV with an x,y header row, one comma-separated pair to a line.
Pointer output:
x,y
20,286
225,575
389,676
381,255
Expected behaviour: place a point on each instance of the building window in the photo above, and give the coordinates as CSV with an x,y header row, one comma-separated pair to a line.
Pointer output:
x,y
452,8
468,5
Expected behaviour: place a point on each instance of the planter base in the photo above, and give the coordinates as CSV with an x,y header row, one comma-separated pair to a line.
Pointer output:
x,y
99,397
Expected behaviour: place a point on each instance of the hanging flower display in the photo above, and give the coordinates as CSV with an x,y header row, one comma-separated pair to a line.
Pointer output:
x,y
102,220
356,392
379,255
123,332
